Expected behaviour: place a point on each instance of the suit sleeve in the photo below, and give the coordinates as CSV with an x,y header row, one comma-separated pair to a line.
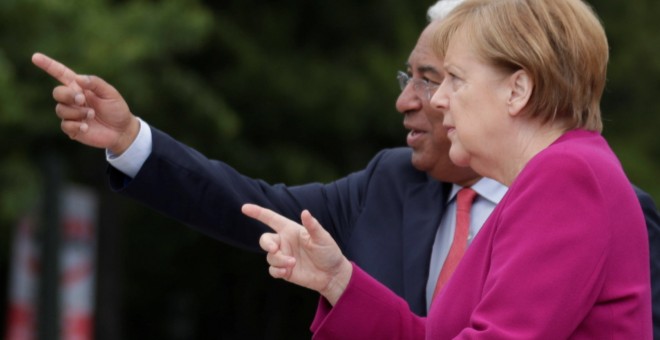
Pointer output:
x,y
653,227
207,195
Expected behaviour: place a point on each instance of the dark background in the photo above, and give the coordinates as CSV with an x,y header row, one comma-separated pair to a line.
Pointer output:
x,y
287,91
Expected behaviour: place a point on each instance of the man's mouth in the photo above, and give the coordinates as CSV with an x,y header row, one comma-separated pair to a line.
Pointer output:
x,y
414,137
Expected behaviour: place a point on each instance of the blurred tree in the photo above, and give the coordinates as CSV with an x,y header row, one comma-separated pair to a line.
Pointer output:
x,y
630,104
115,41
285,90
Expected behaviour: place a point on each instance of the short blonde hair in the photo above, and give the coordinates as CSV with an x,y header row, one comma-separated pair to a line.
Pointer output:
x,y
560,43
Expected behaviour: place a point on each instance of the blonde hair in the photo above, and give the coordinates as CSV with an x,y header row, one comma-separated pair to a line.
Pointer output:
x,y
560,43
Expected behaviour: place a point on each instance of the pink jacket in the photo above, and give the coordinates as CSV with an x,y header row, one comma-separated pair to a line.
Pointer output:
x,y
563,256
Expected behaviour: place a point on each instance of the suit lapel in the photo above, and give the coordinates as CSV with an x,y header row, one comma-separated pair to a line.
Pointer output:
x,y
422,209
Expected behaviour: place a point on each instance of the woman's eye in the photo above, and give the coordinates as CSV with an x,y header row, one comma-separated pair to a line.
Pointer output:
x,y
454,78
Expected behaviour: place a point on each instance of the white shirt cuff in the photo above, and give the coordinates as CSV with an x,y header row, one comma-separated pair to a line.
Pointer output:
x,y
130,162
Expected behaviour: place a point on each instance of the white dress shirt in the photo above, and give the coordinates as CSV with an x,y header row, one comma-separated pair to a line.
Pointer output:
x,y
489,194
130,162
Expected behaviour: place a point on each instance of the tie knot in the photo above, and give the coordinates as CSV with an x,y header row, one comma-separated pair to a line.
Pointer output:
x,y
464,198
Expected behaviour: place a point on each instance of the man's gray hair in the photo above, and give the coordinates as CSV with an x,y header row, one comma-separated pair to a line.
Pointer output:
x,y
441,8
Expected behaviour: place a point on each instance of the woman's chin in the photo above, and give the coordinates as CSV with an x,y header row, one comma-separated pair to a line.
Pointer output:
x,y
459,157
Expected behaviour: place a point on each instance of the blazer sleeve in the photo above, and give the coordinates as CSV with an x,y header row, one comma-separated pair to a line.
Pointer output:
x,y
653,227
207,195
366,310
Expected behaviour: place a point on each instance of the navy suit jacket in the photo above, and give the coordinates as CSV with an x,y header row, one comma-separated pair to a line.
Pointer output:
x,y
383,217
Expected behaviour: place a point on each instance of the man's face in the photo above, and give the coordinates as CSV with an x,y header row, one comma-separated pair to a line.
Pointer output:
x,y
429,143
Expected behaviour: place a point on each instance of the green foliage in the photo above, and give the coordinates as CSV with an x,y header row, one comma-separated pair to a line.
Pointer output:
x,y
114,41
288,91
630,105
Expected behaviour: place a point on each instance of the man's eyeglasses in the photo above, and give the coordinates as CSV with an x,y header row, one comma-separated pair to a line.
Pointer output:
x,y
424,88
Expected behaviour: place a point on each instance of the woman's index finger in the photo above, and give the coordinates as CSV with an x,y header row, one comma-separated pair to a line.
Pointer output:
x,y
268,217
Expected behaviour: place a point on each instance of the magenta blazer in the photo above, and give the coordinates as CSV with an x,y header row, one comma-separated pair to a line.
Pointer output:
x,y
563,256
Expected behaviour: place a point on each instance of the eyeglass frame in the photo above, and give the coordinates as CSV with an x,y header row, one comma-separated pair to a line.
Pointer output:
x,y
418,84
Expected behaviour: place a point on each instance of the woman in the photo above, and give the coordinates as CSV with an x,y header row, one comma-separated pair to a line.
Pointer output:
x,y
565,253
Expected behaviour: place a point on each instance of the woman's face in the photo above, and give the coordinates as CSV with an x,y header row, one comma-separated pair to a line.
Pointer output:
x,y
473,100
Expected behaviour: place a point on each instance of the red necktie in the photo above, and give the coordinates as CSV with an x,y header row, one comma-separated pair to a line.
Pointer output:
x,y
464,200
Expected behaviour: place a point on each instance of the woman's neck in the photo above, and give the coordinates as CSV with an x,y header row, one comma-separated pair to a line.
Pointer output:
x,y
530,139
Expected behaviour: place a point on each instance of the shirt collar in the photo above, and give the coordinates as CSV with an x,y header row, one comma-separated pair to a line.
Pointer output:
x,y
487,188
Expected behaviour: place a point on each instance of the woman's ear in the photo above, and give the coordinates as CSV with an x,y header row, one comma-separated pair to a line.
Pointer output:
x,y
521,90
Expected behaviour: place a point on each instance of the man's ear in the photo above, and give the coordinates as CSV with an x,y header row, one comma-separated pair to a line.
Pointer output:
x,y
521,90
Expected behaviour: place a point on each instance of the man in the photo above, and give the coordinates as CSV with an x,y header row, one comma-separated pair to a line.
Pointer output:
x,y
389,218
